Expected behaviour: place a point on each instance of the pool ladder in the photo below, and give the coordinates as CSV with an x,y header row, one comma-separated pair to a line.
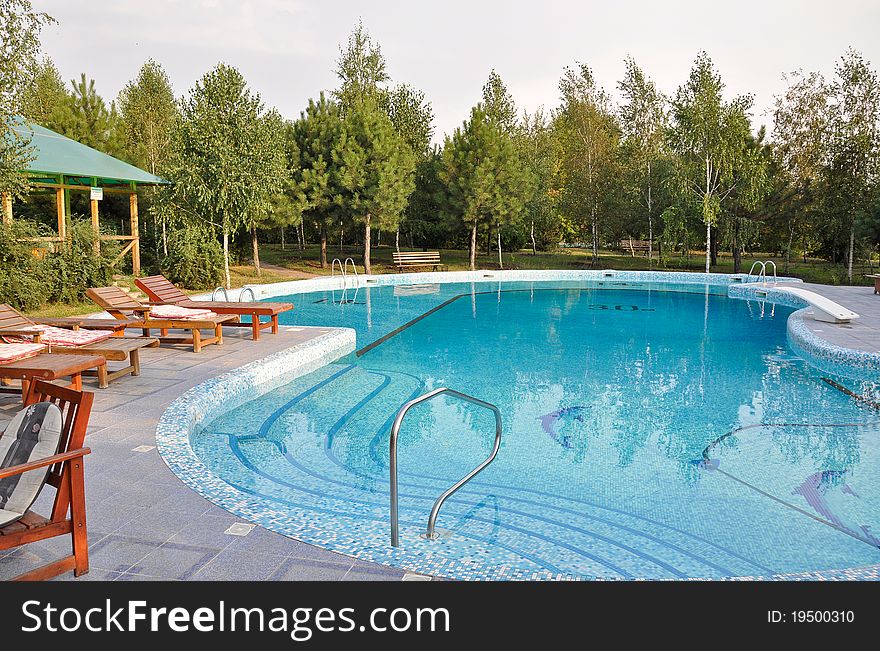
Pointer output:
x,y
226,294
430,532
761,275
343,271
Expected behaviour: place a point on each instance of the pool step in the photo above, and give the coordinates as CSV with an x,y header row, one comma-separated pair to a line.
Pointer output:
x,y
315,448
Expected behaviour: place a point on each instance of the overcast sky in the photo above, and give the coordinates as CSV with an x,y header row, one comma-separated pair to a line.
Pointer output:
x,y
287,49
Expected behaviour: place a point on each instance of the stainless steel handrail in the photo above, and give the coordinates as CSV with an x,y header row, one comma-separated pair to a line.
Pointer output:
x,y
357,279
774,271
219,289
395,431
341,270
247,289
762,271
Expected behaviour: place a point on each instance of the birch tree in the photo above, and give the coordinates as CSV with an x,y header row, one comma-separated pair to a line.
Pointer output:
x,y
224,168
710,138
800,131
643,120
589,138
853,161
20,29
149,116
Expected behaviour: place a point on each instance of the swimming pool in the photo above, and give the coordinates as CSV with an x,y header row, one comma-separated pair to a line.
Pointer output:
x,y
651,430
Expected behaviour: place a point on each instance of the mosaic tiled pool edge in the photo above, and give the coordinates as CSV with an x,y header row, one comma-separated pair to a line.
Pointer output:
x,y
818,352
238,386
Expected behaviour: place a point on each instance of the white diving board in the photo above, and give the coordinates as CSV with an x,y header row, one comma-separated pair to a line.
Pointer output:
x,y
824,309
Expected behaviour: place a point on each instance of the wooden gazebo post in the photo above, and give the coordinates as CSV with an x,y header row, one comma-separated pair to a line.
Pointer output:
x,y
136,245
96,225
60,203
6,200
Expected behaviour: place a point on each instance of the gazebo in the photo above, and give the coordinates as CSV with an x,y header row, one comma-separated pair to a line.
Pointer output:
x,y
66,166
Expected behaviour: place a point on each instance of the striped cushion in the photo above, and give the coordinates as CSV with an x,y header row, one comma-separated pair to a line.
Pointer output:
x,y
64,337
33,434
15,352
175,312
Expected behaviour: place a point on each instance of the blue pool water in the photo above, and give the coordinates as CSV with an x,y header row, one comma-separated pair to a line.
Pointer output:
x,y
650,431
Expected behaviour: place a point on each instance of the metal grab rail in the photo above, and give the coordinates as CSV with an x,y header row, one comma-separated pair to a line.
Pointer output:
x,y
395,430
357,278
247,289
341,270
762,271
220,289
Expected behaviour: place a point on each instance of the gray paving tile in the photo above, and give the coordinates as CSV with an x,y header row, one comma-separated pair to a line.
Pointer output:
x,y
174,561
235,565
363,571
118,554
299,569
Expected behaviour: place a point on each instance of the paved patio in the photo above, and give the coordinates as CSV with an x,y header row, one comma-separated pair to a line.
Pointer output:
x,y
861,334
144,524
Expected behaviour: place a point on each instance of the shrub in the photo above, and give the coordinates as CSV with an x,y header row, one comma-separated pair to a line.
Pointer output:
x,y
195,259
23,279
74,267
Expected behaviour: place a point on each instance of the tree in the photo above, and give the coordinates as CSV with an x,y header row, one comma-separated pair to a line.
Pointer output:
x,y
643,121
375,167
20,29
45,99
853,163
94,124
589,138
285,208
413,119
317,134
274,176
710,138
482,176
360,68
225,167
800,131
149,116
498,103
538,151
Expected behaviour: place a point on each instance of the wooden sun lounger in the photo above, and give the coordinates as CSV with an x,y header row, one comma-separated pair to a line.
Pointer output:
x,y
119,349
49,367
118,326
122,306
163,292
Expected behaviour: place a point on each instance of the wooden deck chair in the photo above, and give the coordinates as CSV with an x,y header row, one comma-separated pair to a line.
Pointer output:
x,y
163,292
14,326
29,361
65,474
122,306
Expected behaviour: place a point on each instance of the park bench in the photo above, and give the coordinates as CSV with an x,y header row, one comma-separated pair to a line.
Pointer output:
x,y
634,246
410,259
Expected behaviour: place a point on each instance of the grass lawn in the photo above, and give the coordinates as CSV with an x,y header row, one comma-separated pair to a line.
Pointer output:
x,y
814,271
297,263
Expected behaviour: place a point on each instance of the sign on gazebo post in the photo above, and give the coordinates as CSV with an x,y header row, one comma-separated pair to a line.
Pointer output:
x,y
95,195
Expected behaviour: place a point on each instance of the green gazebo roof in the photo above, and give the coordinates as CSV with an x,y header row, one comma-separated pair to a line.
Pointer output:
x,y
57,155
